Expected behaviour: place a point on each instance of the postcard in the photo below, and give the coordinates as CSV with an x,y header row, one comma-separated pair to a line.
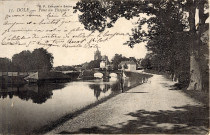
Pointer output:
x,y
104,67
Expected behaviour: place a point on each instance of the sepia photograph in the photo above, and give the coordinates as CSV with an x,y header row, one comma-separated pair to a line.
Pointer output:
x,y
104,67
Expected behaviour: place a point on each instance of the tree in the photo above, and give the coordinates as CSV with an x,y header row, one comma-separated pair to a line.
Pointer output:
x,y
120,66
38,60
6,65
42,59
133,59
167,28
146,63
116,61
125,66
93,64
196,43
65,68
23,60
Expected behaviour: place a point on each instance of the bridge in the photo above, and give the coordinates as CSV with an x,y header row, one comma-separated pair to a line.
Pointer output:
x,y
105,74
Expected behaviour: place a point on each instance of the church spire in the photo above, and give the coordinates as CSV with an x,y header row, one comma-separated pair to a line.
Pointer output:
x,y
97,55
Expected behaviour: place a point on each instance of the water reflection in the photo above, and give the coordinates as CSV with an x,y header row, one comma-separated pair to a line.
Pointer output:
x,y
41,93
98,88
37,93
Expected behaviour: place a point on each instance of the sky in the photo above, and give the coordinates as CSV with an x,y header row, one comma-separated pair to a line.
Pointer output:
x,y
74,56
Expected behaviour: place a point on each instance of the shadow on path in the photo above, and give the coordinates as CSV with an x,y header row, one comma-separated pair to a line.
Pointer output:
x,y
186,119
135,92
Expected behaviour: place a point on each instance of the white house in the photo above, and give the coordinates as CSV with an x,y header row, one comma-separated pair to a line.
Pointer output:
x,y
128,65
102,64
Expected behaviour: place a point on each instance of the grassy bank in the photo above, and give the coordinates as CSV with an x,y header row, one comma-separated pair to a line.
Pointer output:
x,y
69,116
200,96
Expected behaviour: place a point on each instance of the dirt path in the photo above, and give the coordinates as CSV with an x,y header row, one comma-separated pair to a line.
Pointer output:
x,y
149,108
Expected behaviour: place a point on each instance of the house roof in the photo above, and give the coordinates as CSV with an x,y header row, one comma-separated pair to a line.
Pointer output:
x,y
128,62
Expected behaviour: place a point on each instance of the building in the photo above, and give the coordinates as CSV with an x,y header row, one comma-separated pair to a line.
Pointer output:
x,y
128,65
104,62
97,55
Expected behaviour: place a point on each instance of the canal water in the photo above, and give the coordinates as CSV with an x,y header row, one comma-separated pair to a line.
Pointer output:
x,y
23,109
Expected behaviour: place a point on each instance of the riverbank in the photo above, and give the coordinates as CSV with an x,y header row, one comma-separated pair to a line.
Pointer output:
x,y
54,124
16,79
200,96
148,108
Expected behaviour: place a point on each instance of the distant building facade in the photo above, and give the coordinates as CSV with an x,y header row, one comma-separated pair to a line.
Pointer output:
x,y
104,62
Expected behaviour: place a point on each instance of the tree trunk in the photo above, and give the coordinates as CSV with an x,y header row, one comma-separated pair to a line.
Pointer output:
x,y
196,60
195,70
195,74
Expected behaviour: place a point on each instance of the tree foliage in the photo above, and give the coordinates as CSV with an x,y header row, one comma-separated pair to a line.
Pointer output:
x,y
125,66
93,64
65,68
146,63
6,65
23,60
39,59
42,59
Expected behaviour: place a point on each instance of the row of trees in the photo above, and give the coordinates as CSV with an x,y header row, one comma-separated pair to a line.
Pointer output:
x,y
65,68
6,65
25,61
93,64
172,35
